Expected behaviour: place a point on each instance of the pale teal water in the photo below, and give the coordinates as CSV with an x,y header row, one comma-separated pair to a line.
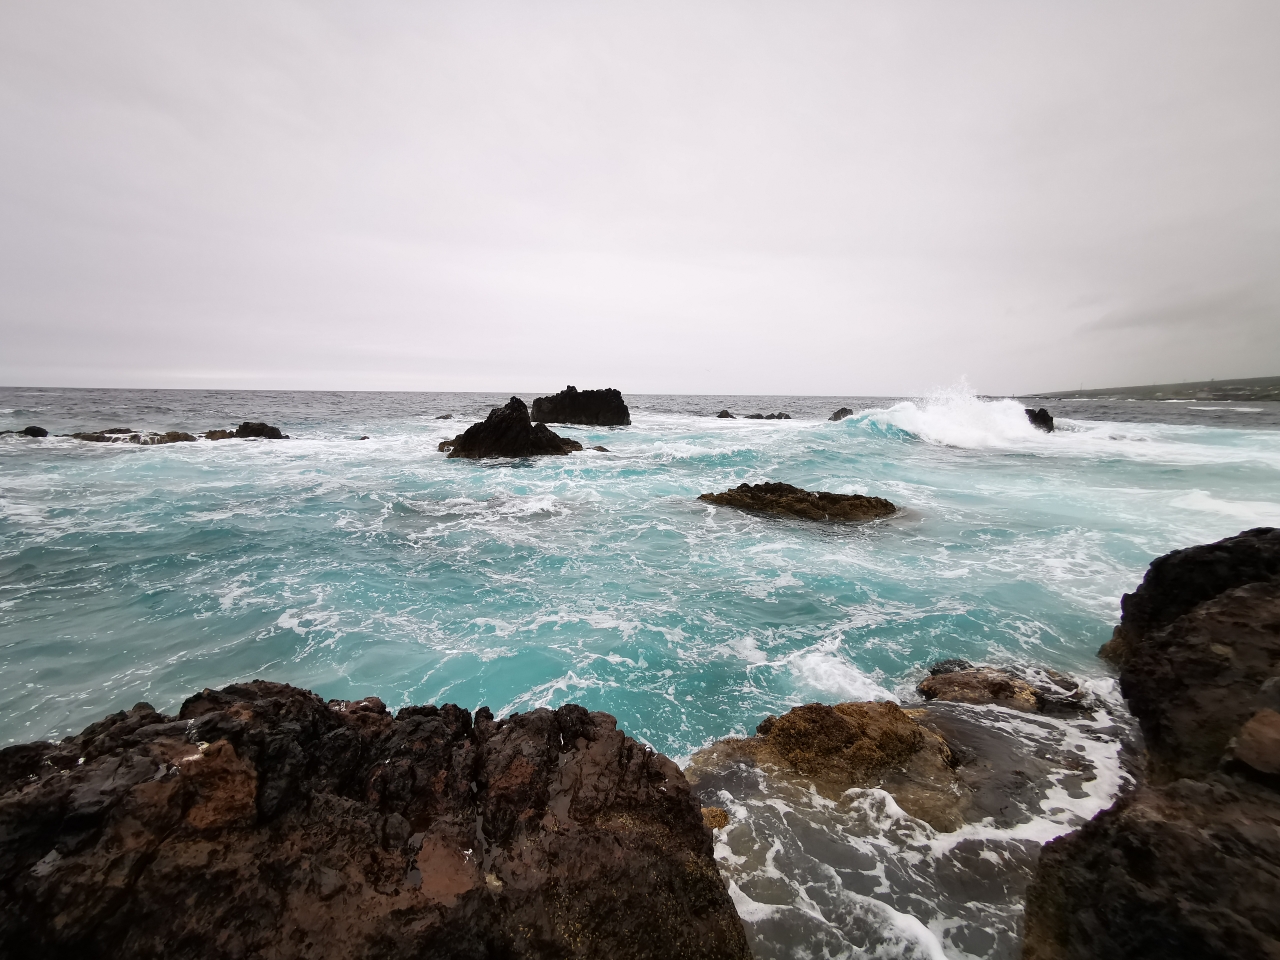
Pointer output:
x,y
379,567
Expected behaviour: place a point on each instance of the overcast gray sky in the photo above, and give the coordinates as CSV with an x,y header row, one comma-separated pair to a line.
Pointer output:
x,y
695,196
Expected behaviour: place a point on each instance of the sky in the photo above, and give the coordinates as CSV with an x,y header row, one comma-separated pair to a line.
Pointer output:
x,y
791,197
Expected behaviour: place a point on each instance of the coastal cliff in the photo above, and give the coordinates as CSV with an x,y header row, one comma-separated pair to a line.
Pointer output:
x,y
262,821
1187,865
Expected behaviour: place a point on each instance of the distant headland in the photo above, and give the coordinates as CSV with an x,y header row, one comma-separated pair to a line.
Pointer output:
x,y
1253,388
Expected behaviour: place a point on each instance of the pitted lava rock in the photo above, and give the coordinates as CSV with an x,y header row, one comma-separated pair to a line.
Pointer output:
x,y
598,408
264,822
508,432
1187,866
785,500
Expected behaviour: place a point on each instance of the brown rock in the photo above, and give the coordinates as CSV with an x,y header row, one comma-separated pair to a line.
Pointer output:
x,y
1258,742
852,745
785,500
263,822
978,685
716,818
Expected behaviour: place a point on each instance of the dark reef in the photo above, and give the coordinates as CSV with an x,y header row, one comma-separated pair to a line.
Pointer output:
x,y
265,822
1187,865
508,432
785,500
597,408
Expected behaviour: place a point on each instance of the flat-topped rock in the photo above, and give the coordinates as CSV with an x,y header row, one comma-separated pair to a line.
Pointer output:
x,y
263,818
508,432
598,408
785,500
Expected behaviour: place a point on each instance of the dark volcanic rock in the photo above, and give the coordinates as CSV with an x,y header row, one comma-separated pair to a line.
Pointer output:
x,y
841,414
1040,419
35,432
508,432
725,415
598,408
768,416
257,430
1179,580
788,501
1189,865
445,416
263,822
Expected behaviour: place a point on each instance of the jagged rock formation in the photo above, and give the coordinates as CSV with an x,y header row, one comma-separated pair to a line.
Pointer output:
x,y
257,430
725,415
1040,419
264,822
1047,691
598,408
508,432
841,414
1188,865
785,500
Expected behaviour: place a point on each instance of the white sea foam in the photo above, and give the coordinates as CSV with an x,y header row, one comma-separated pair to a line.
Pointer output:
x,y
1253,513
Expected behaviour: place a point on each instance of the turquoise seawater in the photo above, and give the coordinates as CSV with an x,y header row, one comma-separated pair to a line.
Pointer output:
x,y
378,567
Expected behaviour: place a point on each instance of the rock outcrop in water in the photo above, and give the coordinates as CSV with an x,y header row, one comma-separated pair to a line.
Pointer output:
x,y
767,416
1188,865
35,432
598,408
264,822
508,432
785,500
1040,419
841,414
126,435
725,415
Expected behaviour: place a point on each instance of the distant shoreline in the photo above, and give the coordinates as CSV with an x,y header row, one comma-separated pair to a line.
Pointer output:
x,y
1253,388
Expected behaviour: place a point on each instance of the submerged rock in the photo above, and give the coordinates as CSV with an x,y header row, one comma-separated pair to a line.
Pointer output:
x,y
1187,866
125,435
508,432
1040,419
785,500
598,408
261,817
841,414
445,416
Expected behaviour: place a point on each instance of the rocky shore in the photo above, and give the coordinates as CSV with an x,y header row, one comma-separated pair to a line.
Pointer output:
x,y
262,821
1187,865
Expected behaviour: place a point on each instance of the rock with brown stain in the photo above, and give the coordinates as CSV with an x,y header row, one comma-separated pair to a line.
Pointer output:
x,y
782,499
264,822
852,745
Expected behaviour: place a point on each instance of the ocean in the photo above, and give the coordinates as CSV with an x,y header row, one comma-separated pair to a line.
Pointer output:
x,y
378,567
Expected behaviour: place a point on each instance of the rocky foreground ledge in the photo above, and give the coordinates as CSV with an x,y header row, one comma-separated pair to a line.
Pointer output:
x,y
1187,865
265,822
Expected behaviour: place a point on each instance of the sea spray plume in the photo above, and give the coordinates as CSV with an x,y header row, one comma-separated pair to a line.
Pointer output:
x,y
958,418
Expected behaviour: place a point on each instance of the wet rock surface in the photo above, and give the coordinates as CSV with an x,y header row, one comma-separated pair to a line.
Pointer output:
x,y
841,414
785,500
834,815
262,821
1189,864
35,432
508,432
725,415
1040,419
599,408
1038,690
767,416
